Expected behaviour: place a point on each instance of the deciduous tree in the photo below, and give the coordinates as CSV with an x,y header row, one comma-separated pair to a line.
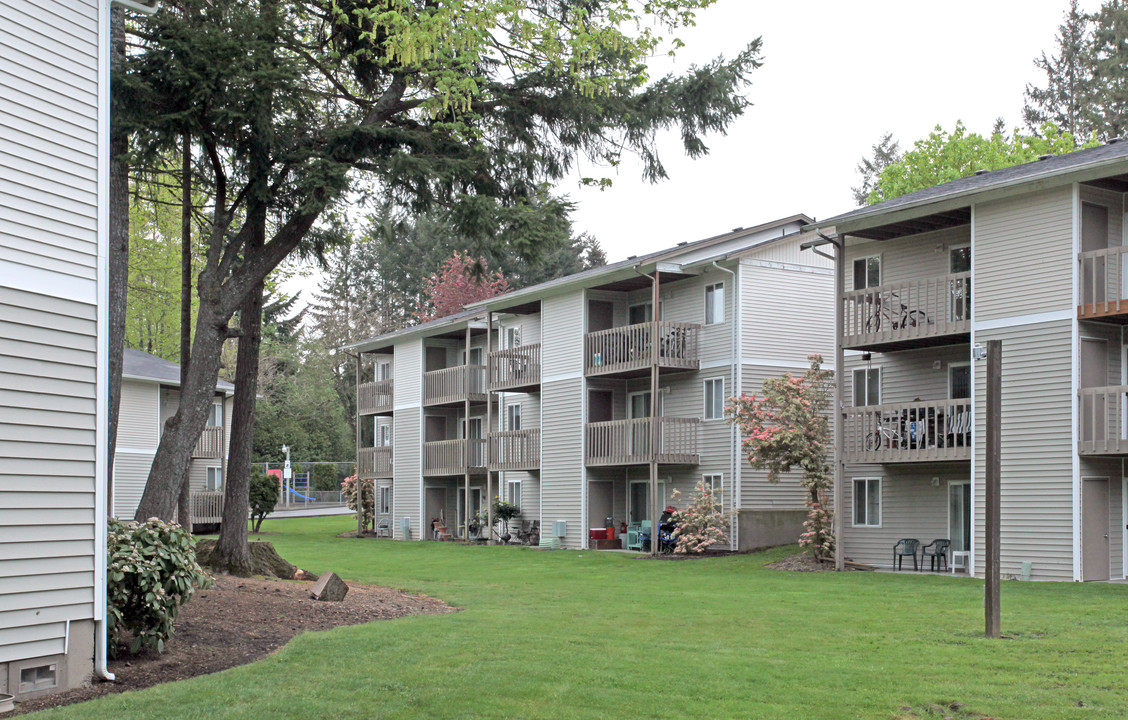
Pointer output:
x,y
461,281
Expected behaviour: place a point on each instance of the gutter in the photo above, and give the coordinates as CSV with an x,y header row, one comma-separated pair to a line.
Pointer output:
x,y
735,372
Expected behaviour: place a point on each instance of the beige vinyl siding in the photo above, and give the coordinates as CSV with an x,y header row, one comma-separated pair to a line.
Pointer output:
x,y
684,301
406,440
908,374
408,386
1114,201
562,349
756,492
530,326
1037,450
913,257
788,252
1024,255
137,418
787,314
562,417
131,471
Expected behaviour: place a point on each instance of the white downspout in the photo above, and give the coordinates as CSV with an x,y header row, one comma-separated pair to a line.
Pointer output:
x,y
735,372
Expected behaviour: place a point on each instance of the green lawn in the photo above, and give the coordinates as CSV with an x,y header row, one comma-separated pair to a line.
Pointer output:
x,y
605,635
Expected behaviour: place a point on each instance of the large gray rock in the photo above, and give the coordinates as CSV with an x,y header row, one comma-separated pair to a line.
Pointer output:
x,y
330,588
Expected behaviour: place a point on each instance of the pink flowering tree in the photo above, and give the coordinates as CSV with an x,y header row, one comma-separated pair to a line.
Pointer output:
x,y
788,427
462,280
368,491
702,524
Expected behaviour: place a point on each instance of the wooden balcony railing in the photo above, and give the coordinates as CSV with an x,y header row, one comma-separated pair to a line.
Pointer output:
x,y
908,432
1104,426
628,442
1103,289
515,368
210,444
455,384
206,507
515,450
628,349
373,398
917,310
375,462
454,457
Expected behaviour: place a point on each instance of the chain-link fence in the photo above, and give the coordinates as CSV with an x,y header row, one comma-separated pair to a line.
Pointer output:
x,y
312,484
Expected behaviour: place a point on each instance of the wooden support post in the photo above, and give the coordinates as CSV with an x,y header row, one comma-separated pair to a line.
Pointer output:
x,y
993,486
359,482
839,380
466,431
655,436
489,426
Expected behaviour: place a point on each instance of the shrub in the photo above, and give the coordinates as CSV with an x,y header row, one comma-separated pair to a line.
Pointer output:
x,y
325,477
700,525
152,571
263,495
348,487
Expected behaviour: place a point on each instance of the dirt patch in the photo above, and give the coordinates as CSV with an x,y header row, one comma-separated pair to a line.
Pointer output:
x,y
802,562
238,621
946,711
265,561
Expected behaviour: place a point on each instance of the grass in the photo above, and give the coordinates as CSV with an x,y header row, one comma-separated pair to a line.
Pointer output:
x,y
604,635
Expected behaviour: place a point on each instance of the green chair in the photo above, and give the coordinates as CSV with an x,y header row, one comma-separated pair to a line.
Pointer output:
x,y
903,548
937,553
637,532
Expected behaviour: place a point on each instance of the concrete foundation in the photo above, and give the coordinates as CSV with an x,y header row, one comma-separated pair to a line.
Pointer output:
x,y
765,528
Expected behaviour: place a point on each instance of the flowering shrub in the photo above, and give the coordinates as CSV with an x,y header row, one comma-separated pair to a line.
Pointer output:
x,y
700,525
152,571
790,427
368,489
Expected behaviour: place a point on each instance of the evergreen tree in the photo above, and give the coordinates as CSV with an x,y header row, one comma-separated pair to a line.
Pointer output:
x,y
1107,103
1069,80
886,152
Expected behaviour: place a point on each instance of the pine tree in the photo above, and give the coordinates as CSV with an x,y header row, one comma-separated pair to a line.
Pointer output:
x,y
886,152
1069,80
1107,104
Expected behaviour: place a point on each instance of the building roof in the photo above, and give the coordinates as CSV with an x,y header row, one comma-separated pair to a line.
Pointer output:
x,y
138,365
1103,160
691,252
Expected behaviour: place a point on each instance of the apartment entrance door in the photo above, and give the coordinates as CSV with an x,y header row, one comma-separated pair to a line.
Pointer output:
x,y
1094,236
1094,528
435,505
1094,374
959,523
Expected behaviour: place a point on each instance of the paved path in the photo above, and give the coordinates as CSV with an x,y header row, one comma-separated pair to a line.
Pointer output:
x,y
299,511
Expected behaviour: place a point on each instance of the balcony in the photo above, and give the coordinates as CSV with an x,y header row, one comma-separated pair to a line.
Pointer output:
x,y
454,457
914,314
375,462
1104,430
515,450
210,444
628,442
1102,285
374,398
626,351
516,369
933,431
454,385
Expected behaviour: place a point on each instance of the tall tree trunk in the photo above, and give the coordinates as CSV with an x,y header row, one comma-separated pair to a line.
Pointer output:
x,y
185,511
119,243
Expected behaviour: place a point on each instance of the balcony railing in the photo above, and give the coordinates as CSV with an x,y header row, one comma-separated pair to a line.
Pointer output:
x,y
1103,277
375,462
516,368
454,385
913,312
206,507
627,349
930,431
210,444
1104,426
515,450
628,442
373,398
454,457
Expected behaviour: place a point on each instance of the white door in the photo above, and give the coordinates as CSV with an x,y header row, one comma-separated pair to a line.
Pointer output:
x,y
959,522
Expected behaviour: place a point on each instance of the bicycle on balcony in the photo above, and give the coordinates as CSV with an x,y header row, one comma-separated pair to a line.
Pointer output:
x,y
885,316
885,436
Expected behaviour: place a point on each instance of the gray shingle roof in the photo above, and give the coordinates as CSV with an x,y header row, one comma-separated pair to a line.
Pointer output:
x,y
143,366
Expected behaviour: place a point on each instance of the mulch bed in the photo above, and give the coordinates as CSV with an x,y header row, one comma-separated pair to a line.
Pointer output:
x,y
803,562
238,621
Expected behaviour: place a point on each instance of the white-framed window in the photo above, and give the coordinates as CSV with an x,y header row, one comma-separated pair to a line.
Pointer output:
x,y
867,502
384,370
716,485
638,404
714,398
513,417
215,415
214,480
959,381
384,436
960,259
513,492
867,386
385,500
513,337
715,303
867,272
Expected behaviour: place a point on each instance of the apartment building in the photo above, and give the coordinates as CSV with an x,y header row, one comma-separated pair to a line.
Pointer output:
x,y
544,396
1034,256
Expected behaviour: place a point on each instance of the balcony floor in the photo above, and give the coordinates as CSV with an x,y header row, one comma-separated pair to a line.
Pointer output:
x,y
912,344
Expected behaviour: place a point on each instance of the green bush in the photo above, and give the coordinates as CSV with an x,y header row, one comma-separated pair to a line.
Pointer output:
x,y
325,477
263,495
152,571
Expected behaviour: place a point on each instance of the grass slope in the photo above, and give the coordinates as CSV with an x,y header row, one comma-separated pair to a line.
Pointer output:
x,y
604,635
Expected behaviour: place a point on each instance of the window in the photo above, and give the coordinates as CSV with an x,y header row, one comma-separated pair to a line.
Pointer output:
x,y
638,404
716,485
867,386
714,398
867,272
960,259
643,312
215,416
959,381
867,502
475,356
513,417
513,337
384,436
215,479
384,371
41,677
385,500
513,491
714,304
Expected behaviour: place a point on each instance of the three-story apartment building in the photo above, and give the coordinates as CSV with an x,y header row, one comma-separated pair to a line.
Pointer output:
x,y
1034,256
598,394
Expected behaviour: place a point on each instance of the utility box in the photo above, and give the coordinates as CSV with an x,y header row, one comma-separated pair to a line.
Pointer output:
x,y
405,528
559,528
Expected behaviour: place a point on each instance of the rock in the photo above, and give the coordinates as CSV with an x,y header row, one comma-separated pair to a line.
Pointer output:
x,y
329,588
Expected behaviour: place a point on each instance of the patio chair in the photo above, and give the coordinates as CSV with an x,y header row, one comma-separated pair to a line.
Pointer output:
x,y
903,548
638,533
937,553
529,534
384,528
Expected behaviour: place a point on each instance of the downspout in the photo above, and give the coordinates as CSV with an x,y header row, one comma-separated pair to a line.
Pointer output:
x,y
735,372
839,360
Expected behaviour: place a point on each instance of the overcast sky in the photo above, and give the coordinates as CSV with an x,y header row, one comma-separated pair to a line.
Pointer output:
x,y
836,75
